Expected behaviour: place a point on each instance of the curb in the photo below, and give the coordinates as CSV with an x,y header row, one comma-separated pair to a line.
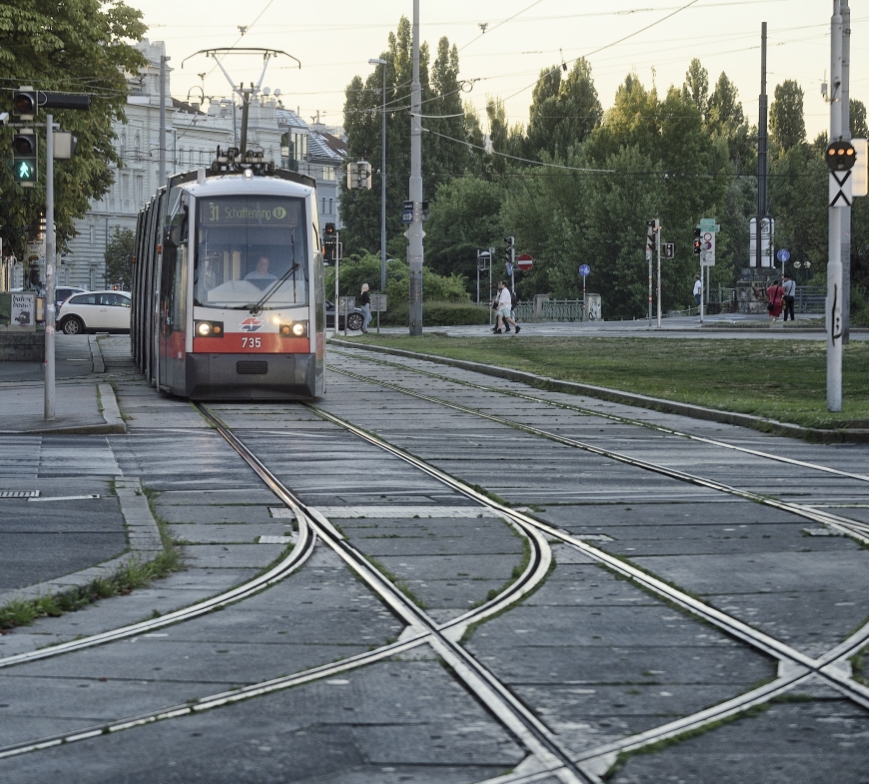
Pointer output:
x,y
143,539
816,435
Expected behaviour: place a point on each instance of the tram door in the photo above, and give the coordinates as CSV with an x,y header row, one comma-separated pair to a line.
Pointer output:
x,y
173,305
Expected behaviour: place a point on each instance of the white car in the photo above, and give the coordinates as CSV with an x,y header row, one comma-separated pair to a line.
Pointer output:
x,y
95,311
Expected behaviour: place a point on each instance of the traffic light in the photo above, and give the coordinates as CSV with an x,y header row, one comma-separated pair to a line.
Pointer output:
x,y
24,104
25,158
330,237
651,227
841,156
510,250
698,245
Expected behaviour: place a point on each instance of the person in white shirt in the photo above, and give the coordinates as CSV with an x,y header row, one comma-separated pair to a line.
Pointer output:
x,y
698,290
505,307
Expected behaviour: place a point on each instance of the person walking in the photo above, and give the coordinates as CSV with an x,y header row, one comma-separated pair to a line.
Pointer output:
x,y
505,307
790,290
365,307
698,290
775,293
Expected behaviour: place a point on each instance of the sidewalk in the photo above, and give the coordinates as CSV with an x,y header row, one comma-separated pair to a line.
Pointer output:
x,y
84,401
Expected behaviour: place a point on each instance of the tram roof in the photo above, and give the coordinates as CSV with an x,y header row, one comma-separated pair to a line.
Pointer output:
x,y
238,184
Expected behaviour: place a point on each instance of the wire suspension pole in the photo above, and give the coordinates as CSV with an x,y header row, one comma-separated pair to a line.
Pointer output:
x,y
414,234
834,264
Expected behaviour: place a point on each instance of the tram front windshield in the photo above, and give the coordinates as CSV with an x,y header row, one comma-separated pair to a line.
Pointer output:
x,y
250,250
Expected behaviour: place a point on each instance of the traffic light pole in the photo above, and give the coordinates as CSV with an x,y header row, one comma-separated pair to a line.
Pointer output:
x,y
834,263
49,269
658,249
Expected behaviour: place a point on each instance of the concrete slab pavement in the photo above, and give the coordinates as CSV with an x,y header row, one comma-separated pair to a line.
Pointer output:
x,y
84,400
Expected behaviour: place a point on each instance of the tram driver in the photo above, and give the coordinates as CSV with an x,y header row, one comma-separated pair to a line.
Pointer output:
x,y
261,273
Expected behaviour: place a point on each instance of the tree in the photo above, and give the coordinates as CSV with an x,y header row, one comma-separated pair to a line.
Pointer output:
x,y
119,258
786,124
563,111
74,46
857,117
442,158
696,87
465,218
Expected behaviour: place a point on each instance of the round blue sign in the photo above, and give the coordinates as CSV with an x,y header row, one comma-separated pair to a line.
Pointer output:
x,y
584,270
783,255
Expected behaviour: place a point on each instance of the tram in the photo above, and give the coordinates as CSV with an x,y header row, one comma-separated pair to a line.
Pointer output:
x,y
228,297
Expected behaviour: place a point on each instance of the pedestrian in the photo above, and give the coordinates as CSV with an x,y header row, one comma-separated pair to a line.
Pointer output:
x,y
790,290
505,307
365,307
698,290
775,293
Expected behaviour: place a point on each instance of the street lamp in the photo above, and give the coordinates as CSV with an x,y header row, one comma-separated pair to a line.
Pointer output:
x,y
382,63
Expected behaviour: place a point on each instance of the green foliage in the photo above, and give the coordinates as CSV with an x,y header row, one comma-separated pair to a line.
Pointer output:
x,y
77,46
466,218
119,258
365,268
787,126
563,111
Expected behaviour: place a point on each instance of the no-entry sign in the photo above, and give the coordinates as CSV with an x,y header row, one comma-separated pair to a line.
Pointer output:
x,y
524,262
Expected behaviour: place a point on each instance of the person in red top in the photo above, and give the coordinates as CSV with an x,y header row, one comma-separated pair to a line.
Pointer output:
x,y
776,294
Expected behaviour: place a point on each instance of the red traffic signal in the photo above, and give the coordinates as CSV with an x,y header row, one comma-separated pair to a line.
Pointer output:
x,y
24,104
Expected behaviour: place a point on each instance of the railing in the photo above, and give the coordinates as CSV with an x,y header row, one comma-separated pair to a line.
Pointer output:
x,y
551,310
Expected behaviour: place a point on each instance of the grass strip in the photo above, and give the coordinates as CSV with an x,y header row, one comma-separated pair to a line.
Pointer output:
x,y
773,379
133,574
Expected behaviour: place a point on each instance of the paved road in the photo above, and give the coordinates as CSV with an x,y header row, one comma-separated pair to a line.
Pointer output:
x,y
593,656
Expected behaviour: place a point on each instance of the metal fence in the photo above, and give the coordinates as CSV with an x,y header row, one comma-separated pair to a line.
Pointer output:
x,y
551,310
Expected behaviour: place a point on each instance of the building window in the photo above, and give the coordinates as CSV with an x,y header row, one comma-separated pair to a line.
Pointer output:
x,y
91,235
136,154
330,206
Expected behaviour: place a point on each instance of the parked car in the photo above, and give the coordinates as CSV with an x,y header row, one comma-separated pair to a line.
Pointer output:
x,y
63,293
92,311
355,318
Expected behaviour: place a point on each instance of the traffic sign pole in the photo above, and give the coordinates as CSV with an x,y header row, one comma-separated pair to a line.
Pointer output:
x,y
49,270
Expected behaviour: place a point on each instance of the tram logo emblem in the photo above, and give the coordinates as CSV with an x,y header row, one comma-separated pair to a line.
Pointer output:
x,y
279,212
251,324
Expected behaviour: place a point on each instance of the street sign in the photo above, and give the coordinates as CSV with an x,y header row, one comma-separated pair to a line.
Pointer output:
x,y
509,269
707,249
524,262
378,303
584,270
668,250
407,212
783,255
709,224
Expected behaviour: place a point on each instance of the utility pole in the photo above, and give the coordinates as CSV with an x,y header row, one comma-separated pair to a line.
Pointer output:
x,y
762,142
382,63
845,103
834,263
50,288
658,248
161,168
414,232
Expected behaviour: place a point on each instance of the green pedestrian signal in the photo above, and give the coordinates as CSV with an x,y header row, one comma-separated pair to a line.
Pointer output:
x,y
25,159
25,171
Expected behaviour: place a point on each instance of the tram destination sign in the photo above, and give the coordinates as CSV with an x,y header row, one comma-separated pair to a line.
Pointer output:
x,y
246,212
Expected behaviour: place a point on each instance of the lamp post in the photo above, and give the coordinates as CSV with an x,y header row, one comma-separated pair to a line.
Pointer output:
x,y
382,63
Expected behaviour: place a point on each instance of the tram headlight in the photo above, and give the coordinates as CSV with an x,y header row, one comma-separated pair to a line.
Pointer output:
x,y
297,329
208,329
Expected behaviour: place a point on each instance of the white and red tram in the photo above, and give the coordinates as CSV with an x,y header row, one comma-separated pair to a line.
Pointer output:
x,y
228,299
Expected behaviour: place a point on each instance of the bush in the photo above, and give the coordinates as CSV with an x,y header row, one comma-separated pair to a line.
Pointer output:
x,y
438,314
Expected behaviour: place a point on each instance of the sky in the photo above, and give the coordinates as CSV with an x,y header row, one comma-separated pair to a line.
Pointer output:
x,y
655,39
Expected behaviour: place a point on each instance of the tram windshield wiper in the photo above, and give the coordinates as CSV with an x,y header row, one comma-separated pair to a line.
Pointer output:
x,y
256,308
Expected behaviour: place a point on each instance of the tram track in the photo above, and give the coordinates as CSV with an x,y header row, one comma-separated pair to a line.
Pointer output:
x,y
560,404
444,638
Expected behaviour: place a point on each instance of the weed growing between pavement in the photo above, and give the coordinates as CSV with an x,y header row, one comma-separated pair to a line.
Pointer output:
x,y
653,748
395,580
775,379
133,574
